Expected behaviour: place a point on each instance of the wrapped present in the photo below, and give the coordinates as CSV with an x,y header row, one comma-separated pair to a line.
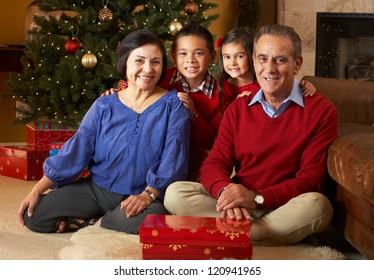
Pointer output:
x,y
54,148
185,237
41,134
194,252
22,162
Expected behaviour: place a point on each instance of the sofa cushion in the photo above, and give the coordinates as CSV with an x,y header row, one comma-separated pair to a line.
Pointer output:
x,y
350,162
354,100
347,128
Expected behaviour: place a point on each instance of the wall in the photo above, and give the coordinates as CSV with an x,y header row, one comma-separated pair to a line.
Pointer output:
x,y
302,16
12,21
11,33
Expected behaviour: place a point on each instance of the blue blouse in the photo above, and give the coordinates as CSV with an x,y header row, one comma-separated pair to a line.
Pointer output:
x,y
126,151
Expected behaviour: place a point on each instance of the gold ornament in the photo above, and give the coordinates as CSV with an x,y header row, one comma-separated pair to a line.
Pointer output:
x,y
89,60
105,14
174,27
191,8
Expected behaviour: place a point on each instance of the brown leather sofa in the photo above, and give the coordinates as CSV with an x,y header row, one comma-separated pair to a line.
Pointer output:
x,y
350,160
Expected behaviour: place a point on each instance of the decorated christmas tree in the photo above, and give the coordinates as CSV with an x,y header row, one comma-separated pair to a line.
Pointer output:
x,y
70,56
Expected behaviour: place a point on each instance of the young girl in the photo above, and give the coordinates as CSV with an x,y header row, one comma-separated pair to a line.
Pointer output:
x,y
235,71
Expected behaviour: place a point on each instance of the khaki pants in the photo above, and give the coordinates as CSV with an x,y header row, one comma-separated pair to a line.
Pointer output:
x,y
303,215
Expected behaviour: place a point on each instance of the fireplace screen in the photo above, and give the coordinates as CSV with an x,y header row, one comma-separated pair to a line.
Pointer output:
x,y
345,46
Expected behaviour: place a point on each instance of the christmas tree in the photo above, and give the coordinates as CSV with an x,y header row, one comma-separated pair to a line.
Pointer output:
x,y
70,56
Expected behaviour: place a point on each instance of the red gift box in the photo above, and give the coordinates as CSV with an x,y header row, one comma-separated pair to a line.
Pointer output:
x,y
185,237
22,162
41,134
54,148
194,252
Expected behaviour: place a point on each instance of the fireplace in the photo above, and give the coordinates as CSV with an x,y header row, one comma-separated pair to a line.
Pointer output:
x,y
345,46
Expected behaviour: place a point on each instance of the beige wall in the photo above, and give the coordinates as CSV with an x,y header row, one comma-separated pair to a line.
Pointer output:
x,y
227,11
12,21
302,16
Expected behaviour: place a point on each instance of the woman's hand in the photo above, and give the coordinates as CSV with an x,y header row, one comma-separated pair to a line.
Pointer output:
x,y
29,203
135,204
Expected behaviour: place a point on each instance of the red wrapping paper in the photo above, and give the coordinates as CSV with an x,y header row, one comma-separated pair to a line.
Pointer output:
x,y
40,135
184,237
182,251
22,162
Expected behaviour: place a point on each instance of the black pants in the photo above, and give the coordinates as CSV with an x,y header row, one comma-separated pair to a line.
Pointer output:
x,y
84,199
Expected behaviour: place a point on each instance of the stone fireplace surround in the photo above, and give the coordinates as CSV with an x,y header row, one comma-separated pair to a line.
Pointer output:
x,y
302,16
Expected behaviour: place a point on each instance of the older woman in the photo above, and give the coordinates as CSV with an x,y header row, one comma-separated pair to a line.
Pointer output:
x,y
135,143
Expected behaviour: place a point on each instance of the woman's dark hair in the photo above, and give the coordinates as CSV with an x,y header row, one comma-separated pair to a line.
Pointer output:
x,y
244,36
193,28
133,41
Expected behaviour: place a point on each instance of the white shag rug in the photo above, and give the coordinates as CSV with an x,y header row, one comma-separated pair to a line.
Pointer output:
x,y
96,243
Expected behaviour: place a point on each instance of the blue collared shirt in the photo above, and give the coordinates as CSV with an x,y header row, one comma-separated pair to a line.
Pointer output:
x,y
296,96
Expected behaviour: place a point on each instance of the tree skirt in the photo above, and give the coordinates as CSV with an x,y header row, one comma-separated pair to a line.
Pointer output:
x,y
97,243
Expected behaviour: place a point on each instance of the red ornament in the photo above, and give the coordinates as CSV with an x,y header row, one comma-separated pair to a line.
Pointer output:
x,y
71,45
191,8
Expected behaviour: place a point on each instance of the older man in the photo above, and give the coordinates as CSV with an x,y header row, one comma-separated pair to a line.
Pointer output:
x,y
277,142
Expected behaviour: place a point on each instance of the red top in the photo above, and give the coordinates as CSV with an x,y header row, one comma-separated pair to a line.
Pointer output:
x,y
231,91
279,157
204,127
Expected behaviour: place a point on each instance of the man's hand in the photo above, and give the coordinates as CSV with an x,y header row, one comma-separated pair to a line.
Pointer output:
x,y
234,202
236,213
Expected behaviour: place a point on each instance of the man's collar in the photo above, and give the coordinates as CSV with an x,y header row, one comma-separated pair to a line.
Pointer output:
x,y
206,86
296,95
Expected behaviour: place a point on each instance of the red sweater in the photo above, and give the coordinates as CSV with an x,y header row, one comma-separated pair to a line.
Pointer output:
x,y
204,127
279,157
231,91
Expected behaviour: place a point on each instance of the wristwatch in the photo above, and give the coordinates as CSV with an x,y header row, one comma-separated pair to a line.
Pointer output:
x,y
150,194
259,199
